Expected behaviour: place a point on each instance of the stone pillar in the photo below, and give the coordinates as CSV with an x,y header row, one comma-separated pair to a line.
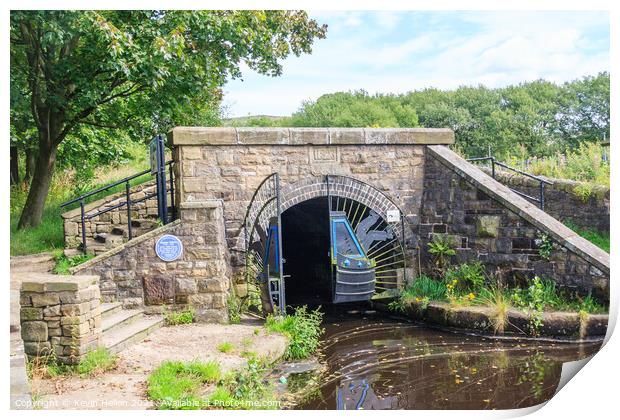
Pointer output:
x,y
60,315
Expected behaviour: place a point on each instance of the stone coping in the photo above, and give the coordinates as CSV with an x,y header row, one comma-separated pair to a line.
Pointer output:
x,y
229,136
205,204
46,282
480,318
519,205
128,244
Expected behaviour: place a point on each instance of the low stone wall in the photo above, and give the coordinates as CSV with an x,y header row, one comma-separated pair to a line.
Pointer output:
x,y
562,201
114,219
134,275
60,314
485,221
479,318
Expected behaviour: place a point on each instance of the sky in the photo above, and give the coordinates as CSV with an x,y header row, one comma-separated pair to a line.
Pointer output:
x,y
400,51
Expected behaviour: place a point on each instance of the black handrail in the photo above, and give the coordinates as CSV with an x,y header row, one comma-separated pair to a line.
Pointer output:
x,y
112,185
541,194
128,201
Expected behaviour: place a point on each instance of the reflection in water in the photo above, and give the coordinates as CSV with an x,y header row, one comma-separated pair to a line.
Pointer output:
x,y
379,364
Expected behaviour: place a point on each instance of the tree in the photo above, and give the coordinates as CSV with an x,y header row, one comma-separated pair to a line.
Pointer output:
x,y
111,69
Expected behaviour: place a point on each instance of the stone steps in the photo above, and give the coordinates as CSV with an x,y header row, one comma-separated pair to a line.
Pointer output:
x,y
124,327
104,241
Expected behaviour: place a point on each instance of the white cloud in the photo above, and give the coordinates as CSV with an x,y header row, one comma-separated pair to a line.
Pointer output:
x,y
413,51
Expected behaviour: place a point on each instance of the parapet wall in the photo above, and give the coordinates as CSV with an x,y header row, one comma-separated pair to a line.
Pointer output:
x,y
110,229
562,200
134,275
487,222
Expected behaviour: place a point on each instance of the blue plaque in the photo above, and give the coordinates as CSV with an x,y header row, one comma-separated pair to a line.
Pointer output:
x,y
168,248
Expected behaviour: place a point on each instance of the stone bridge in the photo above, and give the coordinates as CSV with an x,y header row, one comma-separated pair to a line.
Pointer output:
x,y
218,172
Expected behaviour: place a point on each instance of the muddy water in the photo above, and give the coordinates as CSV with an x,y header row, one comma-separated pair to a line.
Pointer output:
x,y
374,363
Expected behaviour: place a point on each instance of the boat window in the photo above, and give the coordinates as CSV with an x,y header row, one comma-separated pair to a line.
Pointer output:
x,y
344,241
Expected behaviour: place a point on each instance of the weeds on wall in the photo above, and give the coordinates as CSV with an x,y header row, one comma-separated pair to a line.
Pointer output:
x,y
545,246
185,316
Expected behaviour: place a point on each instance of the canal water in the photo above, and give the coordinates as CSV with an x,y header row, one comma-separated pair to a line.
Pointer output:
x,y
377,363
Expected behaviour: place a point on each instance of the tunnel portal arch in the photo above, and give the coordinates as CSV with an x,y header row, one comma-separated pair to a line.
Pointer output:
x,y
370,214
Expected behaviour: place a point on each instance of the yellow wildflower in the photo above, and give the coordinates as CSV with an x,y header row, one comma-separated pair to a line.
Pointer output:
x,y
471,296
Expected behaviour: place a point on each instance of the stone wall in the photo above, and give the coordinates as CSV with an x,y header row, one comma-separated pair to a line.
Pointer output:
x,y
60,314
487,222
135,276
563,202
110,229
230,163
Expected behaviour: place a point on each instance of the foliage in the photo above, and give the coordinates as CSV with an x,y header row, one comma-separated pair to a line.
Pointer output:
x,y
356,109
425,287
225,347
600,239
138,72
244,387
545,246
96,362
235,308
175,385
442,250
542,117
495,298
49,236
303,329
469,276
186,316
587,162
64,263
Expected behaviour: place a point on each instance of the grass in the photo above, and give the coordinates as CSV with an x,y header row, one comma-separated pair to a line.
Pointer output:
x,y
226,347
600,239
48,236
179,385
186,316
582,164
303,328
96,362
182,386
63,263
244,388
540,295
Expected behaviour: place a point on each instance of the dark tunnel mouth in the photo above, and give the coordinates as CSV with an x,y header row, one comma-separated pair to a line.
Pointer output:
x,y
305,249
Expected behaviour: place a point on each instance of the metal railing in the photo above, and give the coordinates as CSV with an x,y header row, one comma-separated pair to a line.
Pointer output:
x,y
129,202
541,186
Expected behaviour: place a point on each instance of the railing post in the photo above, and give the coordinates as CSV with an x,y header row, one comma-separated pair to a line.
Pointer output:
x,y
542,195
128,202
493,167
83,226
172,189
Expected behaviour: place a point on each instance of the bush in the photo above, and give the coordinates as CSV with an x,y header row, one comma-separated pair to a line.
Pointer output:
x,y
469,276
303,330
425,287
186,316
175,385
64,263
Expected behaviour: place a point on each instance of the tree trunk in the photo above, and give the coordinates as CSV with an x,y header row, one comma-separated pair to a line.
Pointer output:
x,y
31,159
14,166
40,185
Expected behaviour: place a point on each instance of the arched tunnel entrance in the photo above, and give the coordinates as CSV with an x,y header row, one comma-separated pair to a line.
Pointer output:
x,y
305,247
323,240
